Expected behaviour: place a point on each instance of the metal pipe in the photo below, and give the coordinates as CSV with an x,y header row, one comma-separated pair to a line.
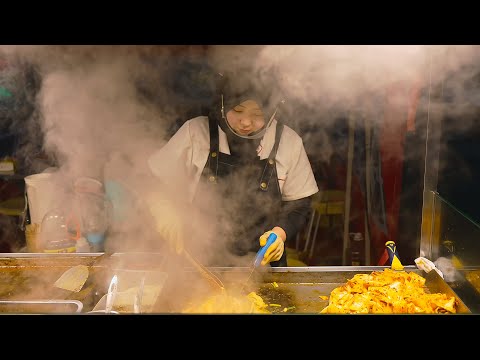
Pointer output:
x,y
346,221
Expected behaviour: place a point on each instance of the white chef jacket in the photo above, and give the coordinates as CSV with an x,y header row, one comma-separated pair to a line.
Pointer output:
x,y
184,157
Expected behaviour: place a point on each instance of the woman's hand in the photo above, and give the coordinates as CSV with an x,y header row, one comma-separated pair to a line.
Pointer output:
x,y
274,251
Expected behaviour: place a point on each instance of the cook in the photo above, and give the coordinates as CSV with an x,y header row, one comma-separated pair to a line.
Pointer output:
x,y
244,170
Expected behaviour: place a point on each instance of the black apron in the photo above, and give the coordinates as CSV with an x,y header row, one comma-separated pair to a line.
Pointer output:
x,y
254,185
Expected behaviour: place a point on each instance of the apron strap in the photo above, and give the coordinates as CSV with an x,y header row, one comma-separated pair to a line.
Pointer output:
x,y
269,170
213,155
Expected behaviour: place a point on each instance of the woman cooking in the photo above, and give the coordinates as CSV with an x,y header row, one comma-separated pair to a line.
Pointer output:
x,y
241,167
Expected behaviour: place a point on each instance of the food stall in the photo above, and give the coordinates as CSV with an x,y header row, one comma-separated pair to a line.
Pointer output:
x,y
120,282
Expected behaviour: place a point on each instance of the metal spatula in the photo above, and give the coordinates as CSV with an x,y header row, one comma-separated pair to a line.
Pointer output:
x,y
73,279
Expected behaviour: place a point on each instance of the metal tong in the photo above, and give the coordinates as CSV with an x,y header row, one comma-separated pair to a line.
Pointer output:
x,y
259,257
213,280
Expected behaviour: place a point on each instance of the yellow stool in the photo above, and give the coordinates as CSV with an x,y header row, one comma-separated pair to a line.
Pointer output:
x,y
13,206
292,258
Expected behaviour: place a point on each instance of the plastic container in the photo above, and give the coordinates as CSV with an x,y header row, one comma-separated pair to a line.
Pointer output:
x,y
32,237
41,193
57,233
82,246
93,210
96,241
151,283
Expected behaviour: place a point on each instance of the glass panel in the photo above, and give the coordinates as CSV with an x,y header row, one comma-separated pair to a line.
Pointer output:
x,y
457,233
453,244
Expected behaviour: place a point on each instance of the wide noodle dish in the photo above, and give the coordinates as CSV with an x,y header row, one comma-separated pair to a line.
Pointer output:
x,y
388,292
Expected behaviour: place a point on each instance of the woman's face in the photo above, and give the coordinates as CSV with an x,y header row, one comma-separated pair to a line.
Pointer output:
x,y
246,118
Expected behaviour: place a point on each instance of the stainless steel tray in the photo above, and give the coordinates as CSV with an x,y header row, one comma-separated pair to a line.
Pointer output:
x,y
297,287
40,306
22,260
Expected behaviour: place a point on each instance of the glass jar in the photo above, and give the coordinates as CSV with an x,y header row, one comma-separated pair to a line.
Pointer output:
x,y
58,232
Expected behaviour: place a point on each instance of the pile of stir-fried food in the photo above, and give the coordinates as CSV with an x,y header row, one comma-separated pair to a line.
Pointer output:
x,y
227,303
388,292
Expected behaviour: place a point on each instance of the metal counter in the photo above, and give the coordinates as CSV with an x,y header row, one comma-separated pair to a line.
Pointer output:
x,y
30,277
300,288
27,282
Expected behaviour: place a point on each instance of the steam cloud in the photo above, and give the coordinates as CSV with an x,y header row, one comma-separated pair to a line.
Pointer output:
x,y
96,122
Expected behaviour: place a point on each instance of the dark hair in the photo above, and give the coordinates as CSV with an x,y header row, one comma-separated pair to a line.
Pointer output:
x,y
259,85
235,88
